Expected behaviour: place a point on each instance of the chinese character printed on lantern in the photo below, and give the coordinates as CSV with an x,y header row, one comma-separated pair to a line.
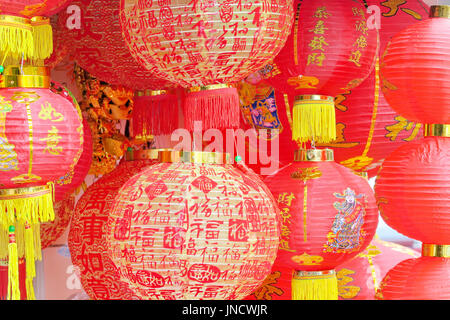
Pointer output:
x,y
402,125
318,43
394,5
52,141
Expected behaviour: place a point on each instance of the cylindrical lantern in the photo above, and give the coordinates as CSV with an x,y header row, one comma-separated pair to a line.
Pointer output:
x,y
193,227
42,135
415,69
358,279
413,189
328,216
25,28
98,274
424,278
330,50
51,231
206,47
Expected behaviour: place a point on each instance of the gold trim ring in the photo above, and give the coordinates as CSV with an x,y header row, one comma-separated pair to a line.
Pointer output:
x,y
440,11
194,157
313,155
23,193
32,77
306,275
435,250
436,130
209,87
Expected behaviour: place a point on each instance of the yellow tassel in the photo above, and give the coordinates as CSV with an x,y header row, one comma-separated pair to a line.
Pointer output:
x,y
43,37
16,37
37,242
314,120
30,261
13,267
317,285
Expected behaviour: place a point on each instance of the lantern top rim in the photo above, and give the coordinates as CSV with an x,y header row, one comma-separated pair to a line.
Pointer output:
x,y
27,192
151,93
197,157
440,11
149,154
313,155
26,77
314,97
436,130
435,250
209,87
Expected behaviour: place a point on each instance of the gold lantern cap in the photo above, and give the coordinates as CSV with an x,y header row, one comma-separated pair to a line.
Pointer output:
x,y
25,77
440,11
436,130
209,87
314,97
148,154
151,93
197,157
435,250
314,155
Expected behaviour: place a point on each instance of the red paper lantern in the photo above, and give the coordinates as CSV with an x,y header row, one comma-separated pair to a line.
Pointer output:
x,y
329,215
330,50
413,189
98,274
74,178
424,278
98,47
206,46
51,231
203,229
415,69
42,138
25,28
358,278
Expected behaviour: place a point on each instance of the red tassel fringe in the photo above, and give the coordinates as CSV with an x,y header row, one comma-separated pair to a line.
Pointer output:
x,y
216,109
156,115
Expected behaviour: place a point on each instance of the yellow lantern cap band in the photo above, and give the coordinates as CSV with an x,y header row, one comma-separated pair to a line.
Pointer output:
x,y
440,11
149,154
194,157
23,193
150,93
309,275
436,130
14,21
313,155
209,87
40,21
29,77
435,250
314,97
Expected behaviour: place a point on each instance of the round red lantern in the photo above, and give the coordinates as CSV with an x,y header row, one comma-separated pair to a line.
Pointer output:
x,y
205,47
358,279
202,229
424,278
51,231
328,215
415,69
330,50
413,189
98,273
98,47
25,27
42,135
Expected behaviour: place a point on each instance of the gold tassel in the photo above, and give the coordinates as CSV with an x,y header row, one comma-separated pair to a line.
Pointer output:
x,y
314,119
43,37
30,261
315,285
16,37
37,242
13,267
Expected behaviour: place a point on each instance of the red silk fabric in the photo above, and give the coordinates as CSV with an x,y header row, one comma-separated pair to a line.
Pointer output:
x,y
52,130
329,50
33,8
424,278
191,231
358,278
328,214
413,190
206,42
416,72
98,46
98,274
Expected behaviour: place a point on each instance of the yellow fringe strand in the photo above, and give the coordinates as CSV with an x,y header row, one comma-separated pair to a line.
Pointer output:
x,y
13,267
43,37
37,242
314,286
17,39
29,261
314,121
